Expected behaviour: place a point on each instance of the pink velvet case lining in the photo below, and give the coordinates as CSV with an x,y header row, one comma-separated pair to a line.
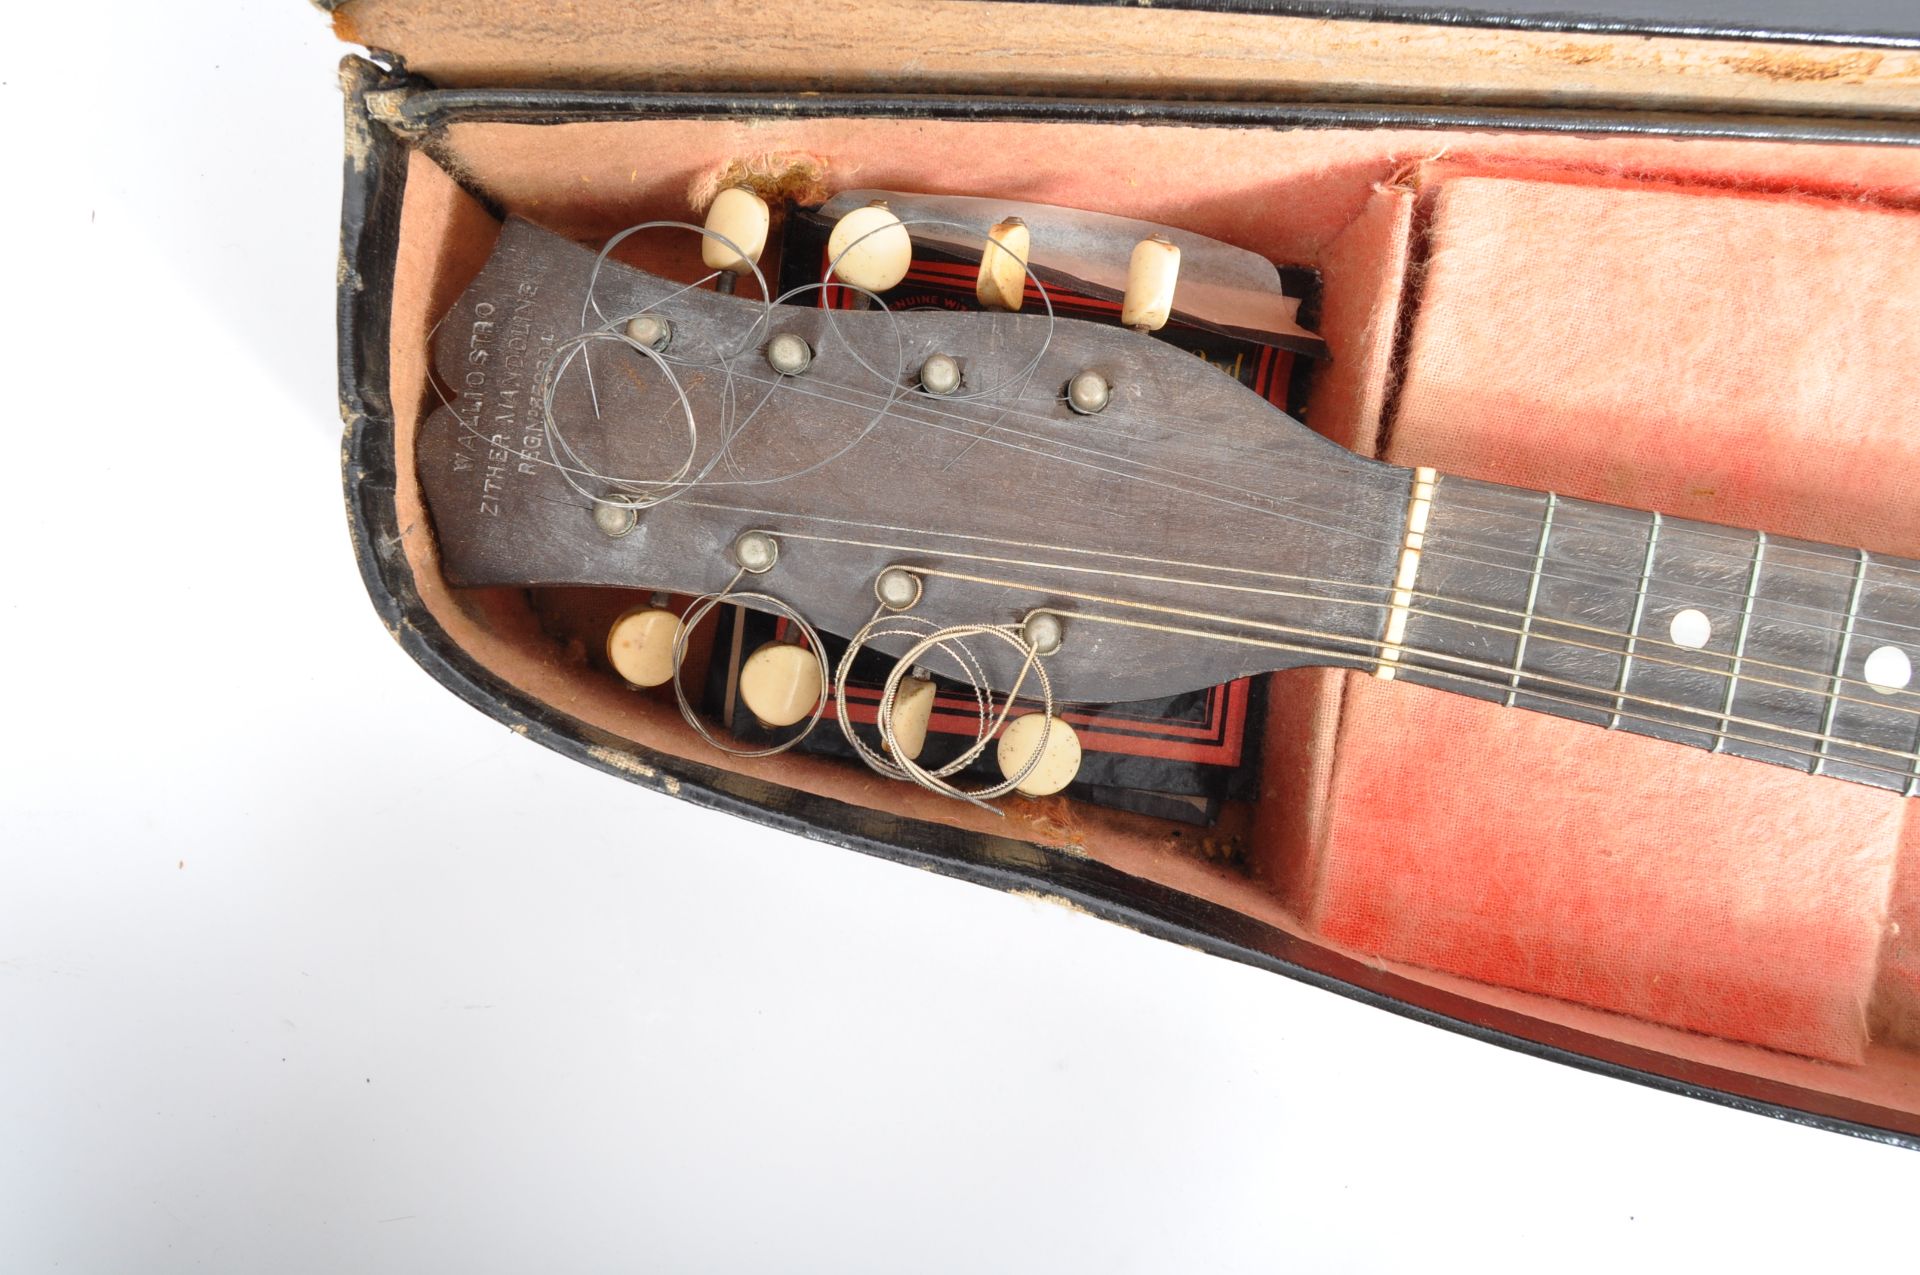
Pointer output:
x,y
1357,204
1701,350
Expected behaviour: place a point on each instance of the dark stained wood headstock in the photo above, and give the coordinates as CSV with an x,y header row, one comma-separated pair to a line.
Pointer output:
x,y
1190,497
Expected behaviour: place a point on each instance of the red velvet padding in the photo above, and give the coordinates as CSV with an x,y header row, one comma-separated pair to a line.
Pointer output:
x,y
1706,353
1896,994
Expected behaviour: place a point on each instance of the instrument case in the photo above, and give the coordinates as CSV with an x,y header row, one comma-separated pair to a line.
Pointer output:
x,y
1351,139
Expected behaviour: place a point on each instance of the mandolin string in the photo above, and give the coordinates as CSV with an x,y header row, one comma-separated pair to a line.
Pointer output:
x,y
1594,577
1742,562
1051,420
1500,673
1198,441
1736,556
1881,698
764,322
1482,669
1748,662
1641,642
1883,701
1705,530
1018,378
1504,673
1497,678
554,370
1739,555
1494,676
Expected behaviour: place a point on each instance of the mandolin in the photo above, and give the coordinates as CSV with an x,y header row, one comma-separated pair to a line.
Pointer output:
x,y
1053,510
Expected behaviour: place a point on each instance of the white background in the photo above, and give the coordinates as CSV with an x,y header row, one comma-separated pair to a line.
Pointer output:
x,y
306,966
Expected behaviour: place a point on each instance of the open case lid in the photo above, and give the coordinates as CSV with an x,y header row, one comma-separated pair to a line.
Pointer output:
x,y
1760,57
1810,21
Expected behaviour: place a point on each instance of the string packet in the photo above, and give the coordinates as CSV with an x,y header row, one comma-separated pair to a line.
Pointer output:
x,y
1179,757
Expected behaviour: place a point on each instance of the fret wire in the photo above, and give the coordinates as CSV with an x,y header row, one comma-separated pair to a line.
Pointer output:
x,y
1533,596
1706,531
1840,663
1740,643
1633,627
1488,552
1880,696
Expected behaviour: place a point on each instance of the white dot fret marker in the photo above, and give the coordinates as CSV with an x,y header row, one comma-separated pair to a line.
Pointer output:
x,y
1888,669
1691,629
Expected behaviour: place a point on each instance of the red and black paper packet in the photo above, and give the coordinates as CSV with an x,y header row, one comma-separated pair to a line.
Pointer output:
x,y
1179,757
941,281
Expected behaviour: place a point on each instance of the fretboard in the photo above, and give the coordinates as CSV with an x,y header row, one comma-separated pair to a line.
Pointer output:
x,y
1761,646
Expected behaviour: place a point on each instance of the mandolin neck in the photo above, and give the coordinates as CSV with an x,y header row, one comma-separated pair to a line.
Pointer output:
x,y
1770,648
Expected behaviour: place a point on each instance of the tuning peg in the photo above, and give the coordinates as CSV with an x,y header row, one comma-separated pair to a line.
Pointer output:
x,y
912,711
640,645
1058,764
781,683
1003,266
740,216
1151,275
869,248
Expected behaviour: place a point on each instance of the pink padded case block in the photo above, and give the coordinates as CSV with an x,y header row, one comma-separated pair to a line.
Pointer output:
x,y
1695,350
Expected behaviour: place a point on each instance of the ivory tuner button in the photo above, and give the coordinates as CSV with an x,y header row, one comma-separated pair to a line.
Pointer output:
x,y
781,683
870,249
1003,266
1151,276
1058,764
912,710
741,216
640,645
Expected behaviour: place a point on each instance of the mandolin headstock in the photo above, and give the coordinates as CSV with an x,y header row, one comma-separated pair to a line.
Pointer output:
x,y
1183,534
